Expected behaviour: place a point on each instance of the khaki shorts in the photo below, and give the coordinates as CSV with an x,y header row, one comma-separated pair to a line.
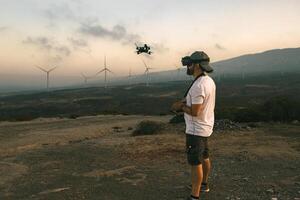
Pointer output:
x,y
196,149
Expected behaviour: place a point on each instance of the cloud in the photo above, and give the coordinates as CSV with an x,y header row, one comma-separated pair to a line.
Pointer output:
x,y
117,33
63,49
61,11
159,47
55,59
3,28
57,14
78,42
219,47
42,42
48,44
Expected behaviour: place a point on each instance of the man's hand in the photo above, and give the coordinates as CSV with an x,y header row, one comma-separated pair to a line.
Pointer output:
x,y
177,106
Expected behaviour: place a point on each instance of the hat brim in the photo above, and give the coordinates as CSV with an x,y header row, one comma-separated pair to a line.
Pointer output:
x,y
207,67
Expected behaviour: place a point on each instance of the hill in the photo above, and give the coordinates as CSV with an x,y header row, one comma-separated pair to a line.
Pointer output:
x,y
276,60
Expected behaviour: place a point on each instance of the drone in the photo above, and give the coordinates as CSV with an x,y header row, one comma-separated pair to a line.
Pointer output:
x,y
143,49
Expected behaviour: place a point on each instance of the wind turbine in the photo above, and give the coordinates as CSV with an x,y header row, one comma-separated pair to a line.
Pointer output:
x,y
243,70
147,72
178,69
105,70
47,72
85,78
130,76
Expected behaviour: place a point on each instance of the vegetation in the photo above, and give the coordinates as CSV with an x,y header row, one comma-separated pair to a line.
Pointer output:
x,y
257,97
148,128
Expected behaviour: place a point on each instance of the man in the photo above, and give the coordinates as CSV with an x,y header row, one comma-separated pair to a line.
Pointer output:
x,y
198,108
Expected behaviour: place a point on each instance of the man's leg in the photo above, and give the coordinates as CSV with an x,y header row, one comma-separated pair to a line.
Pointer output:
x,y
197,175
206,169
195,148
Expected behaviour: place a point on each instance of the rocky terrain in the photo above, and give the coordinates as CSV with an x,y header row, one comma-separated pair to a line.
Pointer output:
x,y
99,158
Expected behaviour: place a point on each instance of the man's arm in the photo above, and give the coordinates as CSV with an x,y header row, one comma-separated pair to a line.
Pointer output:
x,y
194,110
197,98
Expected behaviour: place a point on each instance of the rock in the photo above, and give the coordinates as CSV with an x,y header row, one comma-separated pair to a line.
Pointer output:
x,y
117,129
271,190
226,124
246,179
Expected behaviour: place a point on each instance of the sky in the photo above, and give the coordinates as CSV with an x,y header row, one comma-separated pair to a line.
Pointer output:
x,y
75,35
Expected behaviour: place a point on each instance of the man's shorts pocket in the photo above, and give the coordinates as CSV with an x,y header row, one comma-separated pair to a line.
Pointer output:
x,y
195,148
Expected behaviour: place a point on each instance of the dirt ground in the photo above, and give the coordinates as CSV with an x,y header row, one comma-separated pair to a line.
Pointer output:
x,y
97,158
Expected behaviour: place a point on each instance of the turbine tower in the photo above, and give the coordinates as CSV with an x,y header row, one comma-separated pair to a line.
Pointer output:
x,y
105,70
243,70
147,72
48,73
178,69
130,77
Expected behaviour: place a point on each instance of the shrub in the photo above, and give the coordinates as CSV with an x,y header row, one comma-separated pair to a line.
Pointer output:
x,y
281,109
252,114
177,119
147,127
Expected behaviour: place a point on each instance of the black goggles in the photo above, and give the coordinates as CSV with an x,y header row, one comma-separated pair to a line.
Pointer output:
x,y
187,61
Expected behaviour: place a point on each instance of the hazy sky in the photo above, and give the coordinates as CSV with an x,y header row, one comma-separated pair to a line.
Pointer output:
x,y
76,34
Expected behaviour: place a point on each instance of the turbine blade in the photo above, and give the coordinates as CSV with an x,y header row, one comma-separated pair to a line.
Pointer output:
x,y
109,70
52,69
99,72
41,68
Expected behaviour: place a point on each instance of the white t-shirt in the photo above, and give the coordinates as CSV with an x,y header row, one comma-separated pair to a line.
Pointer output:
x,y
203,91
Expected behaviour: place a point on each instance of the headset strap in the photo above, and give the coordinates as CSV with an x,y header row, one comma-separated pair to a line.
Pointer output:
x,y
202,74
